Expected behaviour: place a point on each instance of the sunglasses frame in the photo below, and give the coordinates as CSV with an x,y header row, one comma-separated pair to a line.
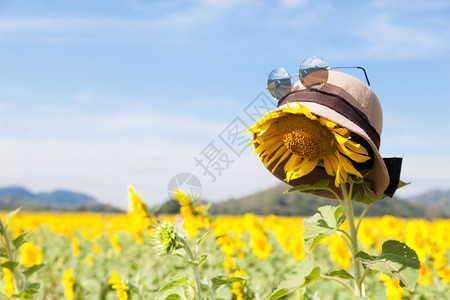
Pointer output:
x,y
326,68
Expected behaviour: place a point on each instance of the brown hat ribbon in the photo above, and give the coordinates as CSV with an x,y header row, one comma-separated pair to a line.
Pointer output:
x,y
337,103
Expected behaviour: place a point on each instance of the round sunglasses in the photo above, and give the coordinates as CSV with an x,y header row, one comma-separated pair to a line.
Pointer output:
x,y
313,73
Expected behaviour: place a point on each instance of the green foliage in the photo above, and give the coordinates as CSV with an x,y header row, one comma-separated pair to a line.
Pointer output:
x,y
317,188
176,286
225,280
362,191
321,225
10,250
396,260
174,282
305,274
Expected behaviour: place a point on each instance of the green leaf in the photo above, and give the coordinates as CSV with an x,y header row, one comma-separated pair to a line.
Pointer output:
x,y
313,276
223,280
304,275
364,194
396,260
34,286
132,288
203,237
3,252
330,214
341,274
12,214
32,270
313,232
177,293
173,297
20,240
174,282
322,224
201,259
362,191
28,293
317,188
10,265
402,184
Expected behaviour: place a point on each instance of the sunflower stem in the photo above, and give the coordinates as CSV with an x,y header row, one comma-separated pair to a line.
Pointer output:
x,y
348,211
195,268
366,208
340,281
345,236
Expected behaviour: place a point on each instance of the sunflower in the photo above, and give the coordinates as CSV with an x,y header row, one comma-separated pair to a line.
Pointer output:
x,y
302,141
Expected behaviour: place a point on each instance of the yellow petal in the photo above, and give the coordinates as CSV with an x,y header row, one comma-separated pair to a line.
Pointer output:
x,y
299,109
331,164
354,156
292,163
358,148
329,124
348,166
271,158
305,167
342,131
282,158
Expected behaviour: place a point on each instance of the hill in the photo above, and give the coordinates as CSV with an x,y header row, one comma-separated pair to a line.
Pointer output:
x,y
437,201
59,200
274,201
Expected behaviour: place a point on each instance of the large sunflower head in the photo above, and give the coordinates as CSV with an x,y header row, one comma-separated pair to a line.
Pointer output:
x,y
328,133
292,142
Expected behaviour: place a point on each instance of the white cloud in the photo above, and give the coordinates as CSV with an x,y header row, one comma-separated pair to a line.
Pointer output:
x,y
410,5
386,39
101,152
64,27
68,124
423,149
425,172
293,3
402,29
104,168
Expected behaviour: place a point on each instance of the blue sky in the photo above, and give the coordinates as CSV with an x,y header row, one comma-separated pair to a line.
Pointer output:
x,y
98,95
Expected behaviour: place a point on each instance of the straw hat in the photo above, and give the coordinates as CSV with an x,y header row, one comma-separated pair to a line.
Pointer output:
x,y
351,105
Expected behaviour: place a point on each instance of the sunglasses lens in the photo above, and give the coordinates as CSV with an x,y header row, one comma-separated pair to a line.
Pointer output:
x,y
313,72
279,83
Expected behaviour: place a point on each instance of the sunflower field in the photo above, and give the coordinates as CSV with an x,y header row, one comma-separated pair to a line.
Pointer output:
x,y
197,256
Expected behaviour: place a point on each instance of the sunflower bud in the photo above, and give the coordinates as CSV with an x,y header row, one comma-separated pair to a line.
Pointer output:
x,y
164,238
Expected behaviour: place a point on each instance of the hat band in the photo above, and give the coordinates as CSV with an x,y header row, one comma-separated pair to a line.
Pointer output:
x,y
326,96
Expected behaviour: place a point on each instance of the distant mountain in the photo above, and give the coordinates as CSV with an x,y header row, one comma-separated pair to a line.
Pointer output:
x,y
274,201
436,201
16,192
61,197
59,200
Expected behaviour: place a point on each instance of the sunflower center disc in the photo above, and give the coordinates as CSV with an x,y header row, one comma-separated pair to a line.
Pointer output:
x,y
306,137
